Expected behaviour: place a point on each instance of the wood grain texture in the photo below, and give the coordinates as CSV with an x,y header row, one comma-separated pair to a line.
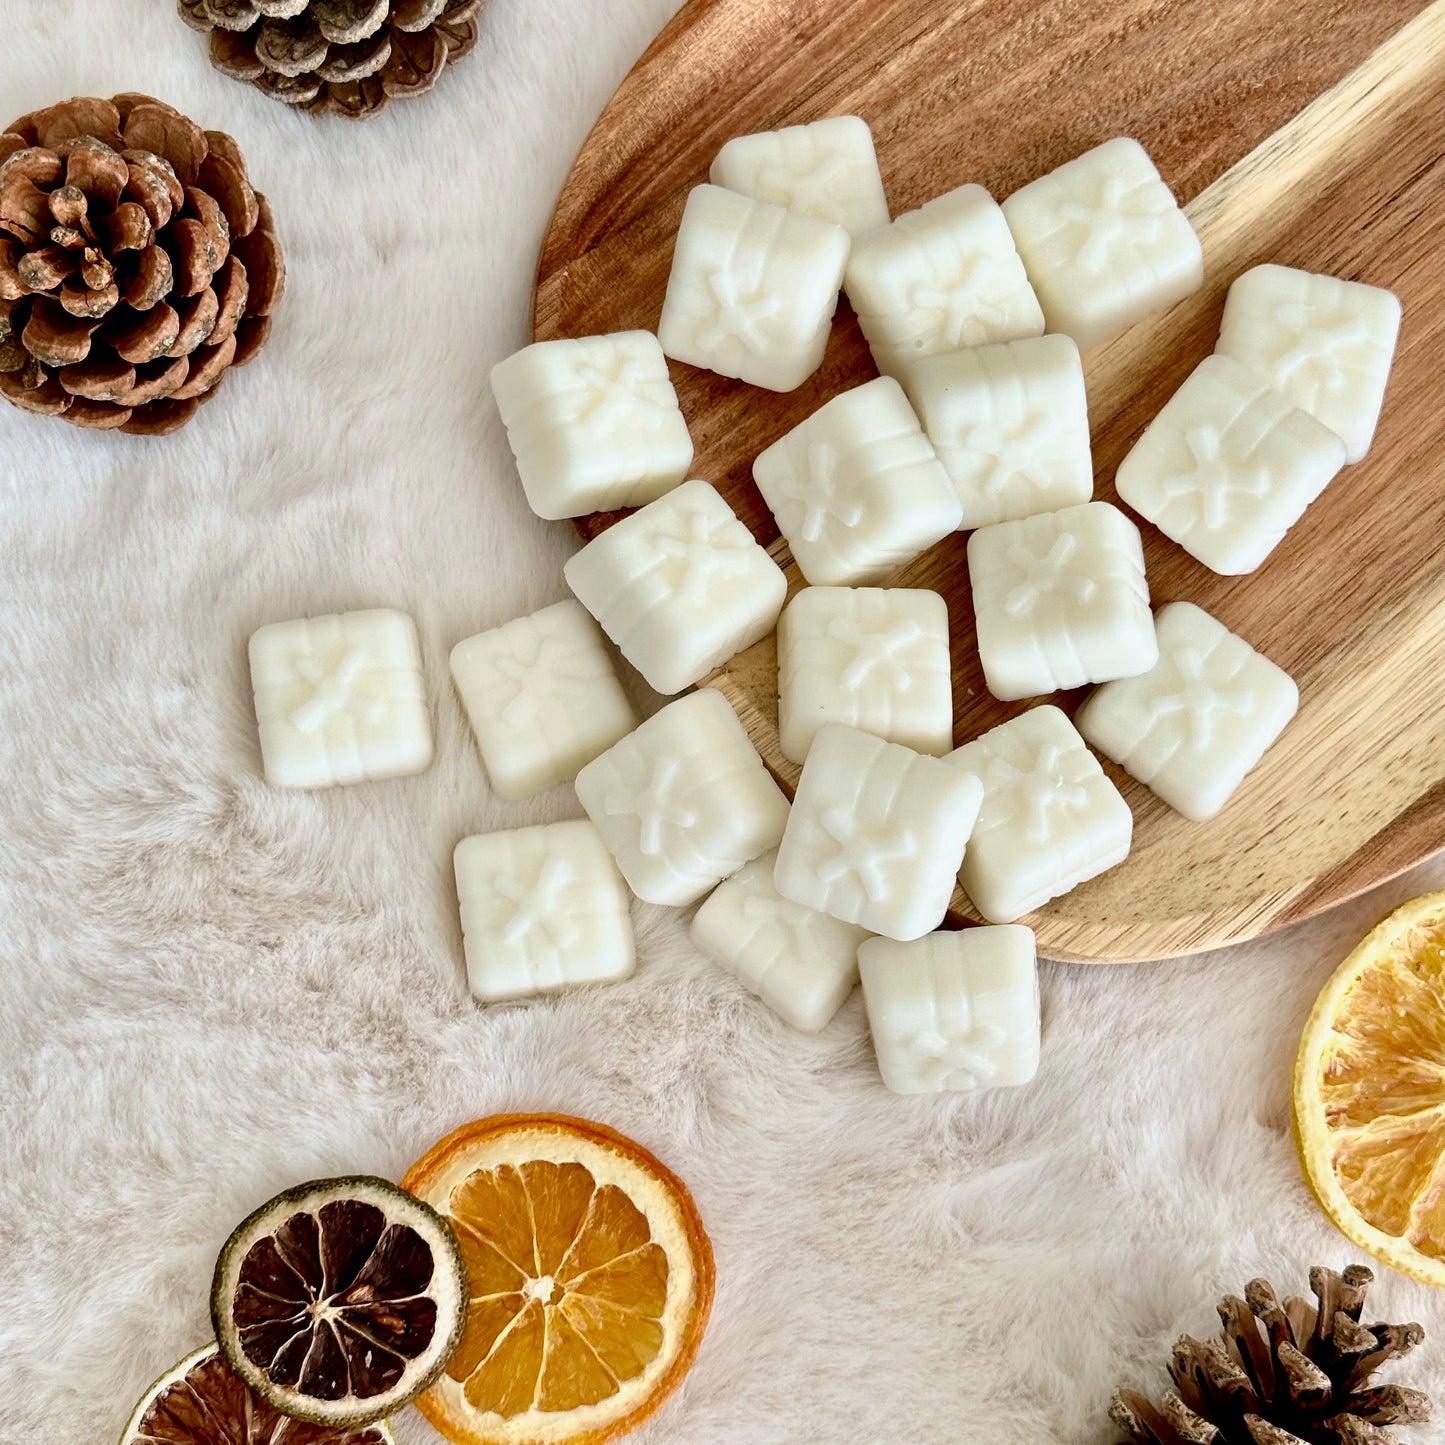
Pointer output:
x,y
1312,135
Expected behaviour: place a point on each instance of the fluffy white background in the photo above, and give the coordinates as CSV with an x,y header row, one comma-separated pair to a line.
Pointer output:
x,y
212,990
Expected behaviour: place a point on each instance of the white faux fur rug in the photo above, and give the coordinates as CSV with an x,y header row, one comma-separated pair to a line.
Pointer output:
x,y
212,990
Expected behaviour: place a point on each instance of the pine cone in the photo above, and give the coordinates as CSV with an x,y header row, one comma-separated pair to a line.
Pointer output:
x,y
349,57
136,263
1283,1374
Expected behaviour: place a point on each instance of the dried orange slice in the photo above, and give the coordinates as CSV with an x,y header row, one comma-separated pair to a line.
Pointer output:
x,y
591,1281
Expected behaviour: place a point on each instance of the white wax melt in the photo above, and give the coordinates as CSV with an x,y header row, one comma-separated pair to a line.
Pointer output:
x,y
874,658
542,909
1327,344
679,586
953,1011
684,801
340,699
542,698
593,423
753,289
801,963
1011,426
944,276
1104,242
1193,727
1050,818
876,834
1060,600
1228,466
827,169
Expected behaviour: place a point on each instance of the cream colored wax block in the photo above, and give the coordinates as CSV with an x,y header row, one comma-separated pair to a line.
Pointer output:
x,y
1104,242
593,423
685,801
953,1011
1326,344
1194,726
340,699
1228,466
680,586
753,289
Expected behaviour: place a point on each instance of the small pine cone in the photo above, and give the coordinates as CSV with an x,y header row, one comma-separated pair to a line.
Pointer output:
x,y
137,265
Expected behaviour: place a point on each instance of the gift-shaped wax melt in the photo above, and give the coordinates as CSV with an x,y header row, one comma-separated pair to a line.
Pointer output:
x,y
1060,600
1326,344
1011,426
876,834
857,489
874,658
953,1011
753,289
1104,242
679,586
1228,466
684,801
542,697
1050,818
801,963
340,699
593,423
1195,725
944,276
542,909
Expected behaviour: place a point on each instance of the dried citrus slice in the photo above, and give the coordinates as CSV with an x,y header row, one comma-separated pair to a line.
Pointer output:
x,y
591,1281
341,1300
1369,1092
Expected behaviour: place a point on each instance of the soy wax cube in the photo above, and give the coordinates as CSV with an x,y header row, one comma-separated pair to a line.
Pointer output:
x,y
1228,466
1104,242
874,658
340,699
593,423
679,586
1194,726
954,1011
753,289
1060,600
1050,818
876,834
857,489
542,909
685,801
1327,344
801,963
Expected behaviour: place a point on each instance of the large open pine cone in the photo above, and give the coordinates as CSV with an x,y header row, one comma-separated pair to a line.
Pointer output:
x,y
350,57
136,263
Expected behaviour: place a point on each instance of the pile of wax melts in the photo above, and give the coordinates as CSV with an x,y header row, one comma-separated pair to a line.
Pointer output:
x,y
975,313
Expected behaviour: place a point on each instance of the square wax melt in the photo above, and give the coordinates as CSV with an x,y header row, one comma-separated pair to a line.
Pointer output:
x,y
679,586
684,801
753,289
340,699
593,423
1326,344
1104,242
801,963
1228,466
542,697
953,1011
542,909
1060,600
1194,726
874,658
1050,818
1011,426
876,834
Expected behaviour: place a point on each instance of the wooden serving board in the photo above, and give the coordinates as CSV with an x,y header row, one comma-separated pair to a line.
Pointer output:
x,y
1308,132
